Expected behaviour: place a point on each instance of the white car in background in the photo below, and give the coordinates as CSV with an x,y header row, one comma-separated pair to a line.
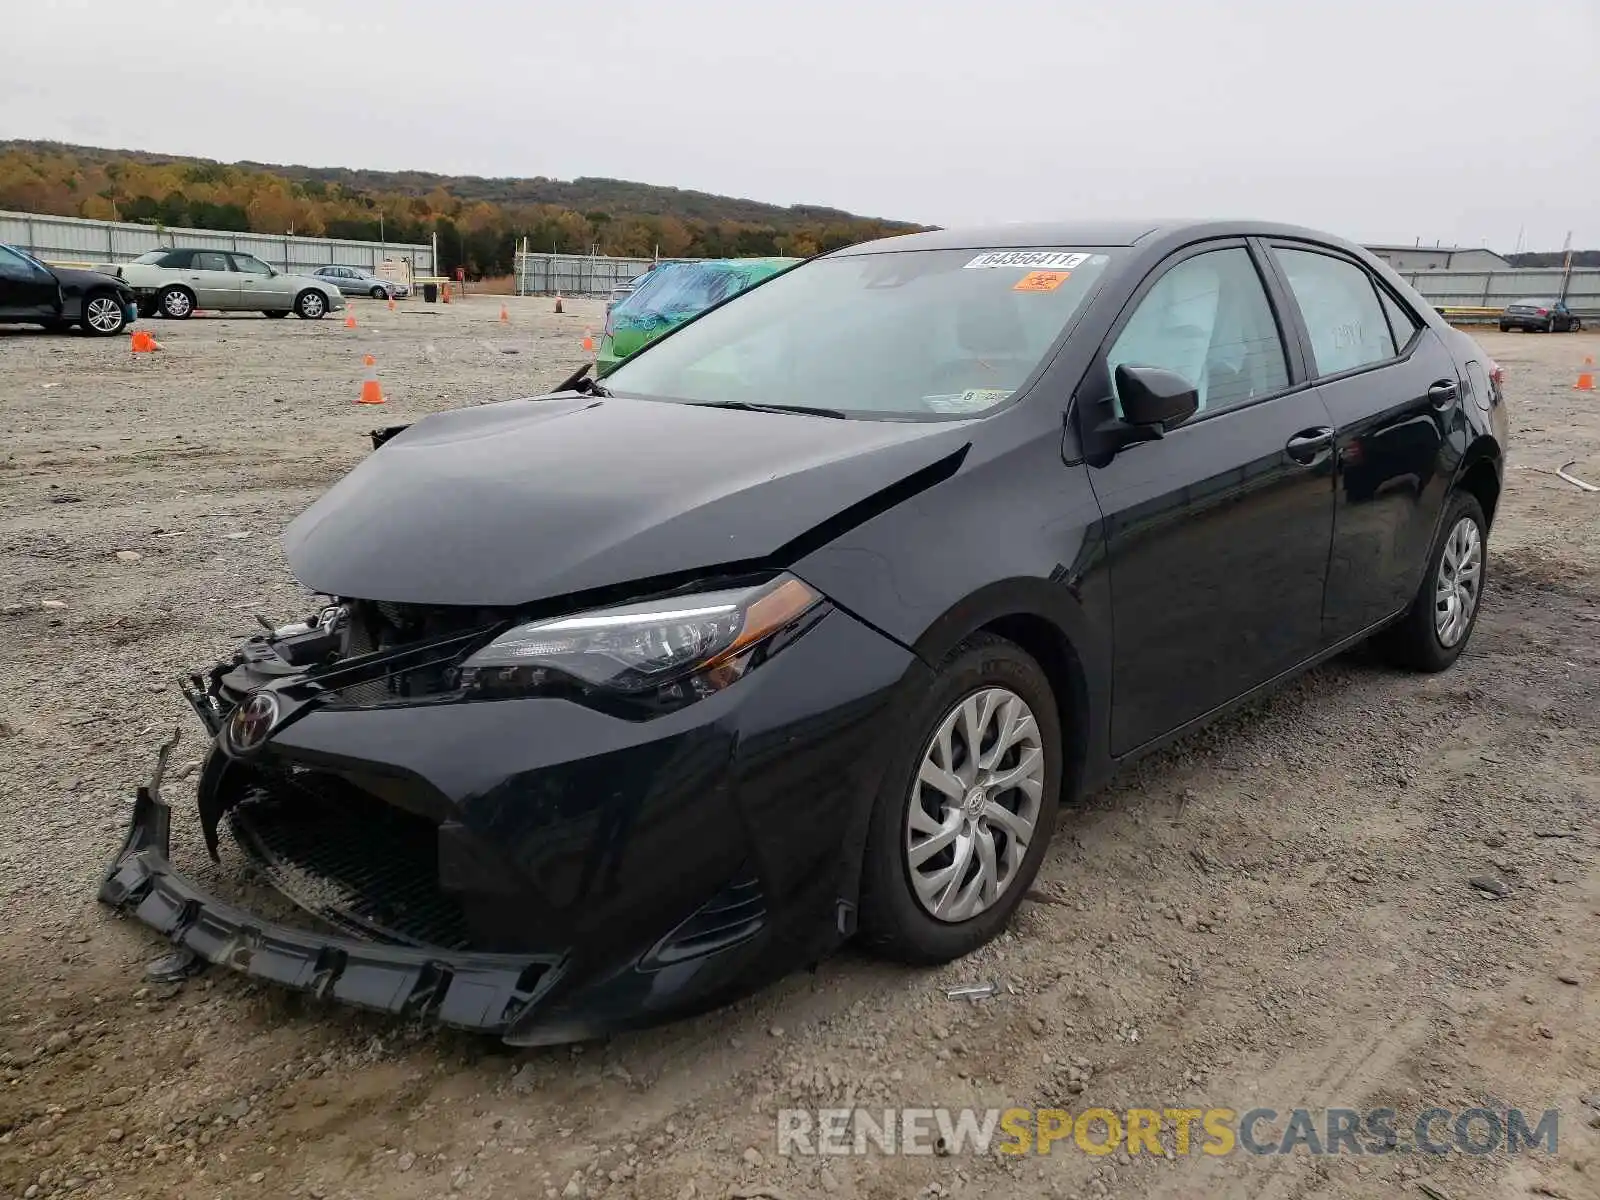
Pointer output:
x,y
176,282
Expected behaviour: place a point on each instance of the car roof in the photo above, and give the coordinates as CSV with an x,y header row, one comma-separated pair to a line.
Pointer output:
x,y
1535,300
1083,233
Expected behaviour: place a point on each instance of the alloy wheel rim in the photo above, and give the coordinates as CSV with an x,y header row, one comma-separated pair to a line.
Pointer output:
x,y
974,805
177,303
105,315
311,306
1460,581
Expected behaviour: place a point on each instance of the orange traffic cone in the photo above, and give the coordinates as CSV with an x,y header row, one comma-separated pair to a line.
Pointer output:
x,y
142,342
350,317
371,389
1585,382
391,303
505,317
588,341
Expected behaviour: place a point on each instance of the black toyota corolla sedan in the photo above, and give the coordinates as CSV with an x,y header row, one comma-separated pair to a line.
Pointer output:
x,y
801,624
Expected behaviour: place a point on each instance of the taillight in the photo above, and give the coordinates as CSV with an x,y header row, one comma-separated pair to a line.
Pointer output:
x,y
1544,312
1497,374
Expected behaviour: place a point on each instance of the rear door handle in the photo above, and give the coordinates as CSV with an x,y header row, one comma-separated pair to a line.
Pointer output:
x,y
1309,445
1443,393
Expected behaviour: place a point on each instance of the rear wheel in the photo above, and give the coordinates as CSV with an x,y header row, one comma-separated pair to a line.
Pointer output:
x,y
276,312
967,805
310,305
1504,328
1550,325
177,303
1431,636
103,314
377,293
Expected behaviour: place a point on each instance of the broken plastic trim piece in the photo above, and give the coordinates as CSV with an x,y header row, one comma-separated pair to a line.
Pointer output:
x,y
487,993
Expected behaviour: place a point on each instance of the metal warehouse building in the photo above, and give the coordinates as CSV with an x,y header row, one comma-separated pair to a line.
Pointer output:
x,y
1440,258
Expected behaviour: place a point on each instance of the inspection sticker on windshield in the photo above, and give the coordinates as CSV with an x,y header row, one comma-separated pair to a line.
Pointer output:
x,y
971,400
1036,260
1041,281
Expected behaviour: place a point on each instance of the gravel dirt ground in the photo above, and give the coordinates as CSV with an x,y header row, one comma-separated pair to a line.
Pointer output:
x,y
1275,912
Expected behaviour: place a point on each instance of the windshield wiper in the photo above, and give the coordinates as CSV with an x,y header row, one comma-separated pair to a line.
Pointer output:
x,y
746,406
577,383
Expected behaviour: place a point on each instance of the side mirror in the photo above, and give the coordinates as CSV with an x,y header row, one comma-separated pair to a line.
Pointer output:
x,y
1152,396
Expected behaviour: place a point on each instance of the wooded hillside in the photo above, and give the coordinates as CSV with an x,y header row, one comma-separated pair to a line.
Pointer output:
x,y
479,221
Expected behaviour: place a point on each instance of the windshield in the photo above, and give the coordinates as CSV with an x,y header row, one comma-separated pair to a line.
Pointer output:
x,y
152,257
910,334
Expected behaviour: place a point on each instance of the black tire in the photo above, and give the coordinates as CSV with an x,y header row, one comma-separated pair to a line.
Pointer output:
x,y
892,921
174,298
1504,328
103,314
275,312
1550,325
1414,642
311,305
147,309
378,293
1576,326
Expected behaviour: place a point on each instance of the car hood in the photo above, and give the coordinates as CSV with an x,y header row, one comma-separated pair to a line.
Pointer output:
x,y
520,501
74,279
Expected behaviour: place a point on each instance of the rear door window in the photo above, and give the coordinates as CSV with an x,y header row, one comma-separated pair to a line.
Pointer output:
x,y
210,260
1340,306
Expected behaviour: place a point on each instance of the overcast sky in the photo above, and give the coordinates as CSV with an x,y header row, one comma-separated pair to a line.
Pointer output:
x,y
1384,120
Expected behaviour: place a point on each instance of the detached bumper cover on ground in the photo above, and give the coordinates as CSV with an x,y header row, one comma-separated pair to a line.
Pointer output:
x,y
484,992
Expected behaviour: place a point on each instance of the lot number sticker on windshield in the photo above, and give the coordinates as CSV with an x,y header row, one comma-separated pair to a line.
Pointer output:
x,y
1036,260
1041,281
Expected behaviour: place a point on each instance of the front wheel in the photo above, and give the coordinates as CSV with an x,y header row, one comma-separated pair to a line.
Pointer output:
x,y
377,293
1576,326
966,808
1431,636
1504,328
177,303
310,305
275,312
103,314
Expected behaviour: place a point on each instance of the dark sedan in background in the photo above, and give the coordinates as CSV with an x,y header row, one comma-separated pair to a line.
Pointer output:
x,y
1539,315
34,293
803,621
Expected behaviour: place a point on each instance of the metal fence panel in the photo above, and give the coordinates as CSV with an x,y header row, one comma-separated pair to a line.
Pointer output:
x,y
73,239
575,274
1496,289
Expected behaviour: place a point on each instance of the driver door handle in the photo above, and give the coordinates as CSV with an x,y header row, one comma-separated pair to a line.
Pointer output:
x,y
1443,393
1309,445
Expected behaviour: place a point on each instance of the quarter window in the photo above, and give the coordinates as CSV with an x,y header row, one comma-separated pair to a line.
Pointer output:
x,y
1208,320
1401,321
1340,306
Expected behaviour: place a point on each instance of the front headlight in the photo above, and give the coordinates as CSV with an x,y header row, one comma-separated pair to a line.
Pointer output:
x,y
666,652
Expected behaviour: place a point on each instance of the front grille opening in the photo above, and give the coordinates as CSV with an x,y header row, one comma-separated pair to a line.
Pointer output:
x,y
360,865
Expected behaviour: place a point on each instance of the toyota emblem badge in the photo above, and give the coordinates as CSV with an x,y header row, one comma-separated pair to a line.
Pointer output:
x,y
252,721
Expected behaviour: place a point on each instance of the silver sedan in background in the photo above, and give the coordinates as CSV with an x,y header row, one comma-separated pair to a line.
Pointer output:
x,y
358,281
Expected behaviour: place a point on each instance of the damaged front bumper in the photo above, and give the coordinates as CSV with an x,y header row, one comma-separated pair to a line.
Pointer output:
x,y
533,868
486,993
